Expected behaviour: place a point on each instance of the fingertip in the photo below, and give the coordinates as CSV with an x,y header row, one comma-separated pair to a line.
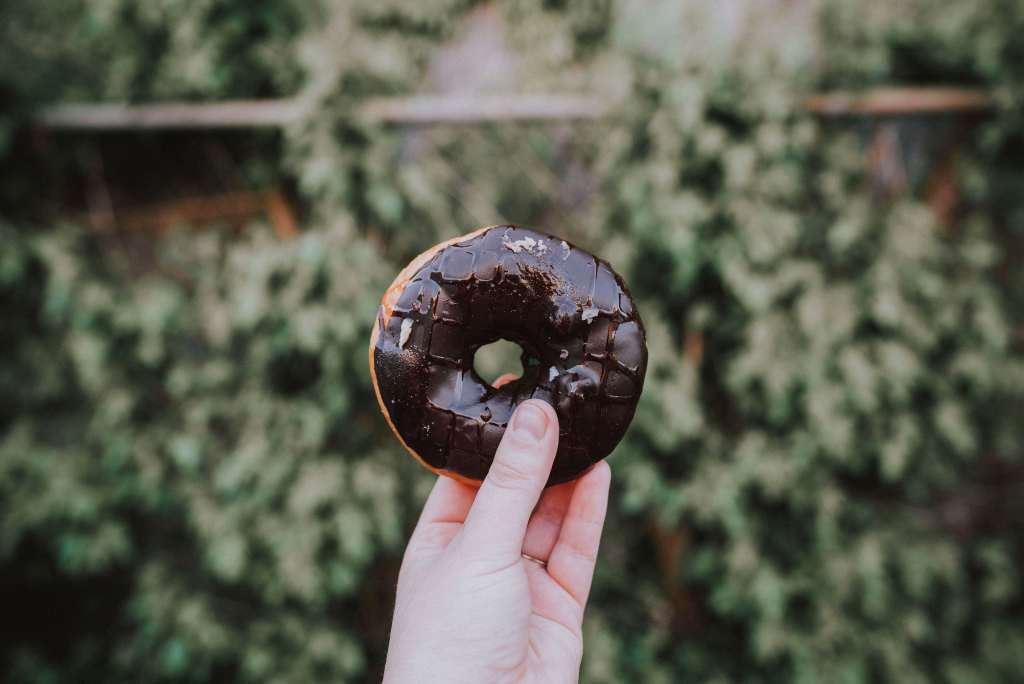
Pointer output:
x,y
550,417
593,487
543,406
503,380
596,475
533,426
601,473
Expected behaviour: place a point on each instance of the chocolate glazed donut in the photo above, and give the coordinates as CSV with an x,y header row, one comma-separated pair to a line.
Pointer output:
x,y
584,350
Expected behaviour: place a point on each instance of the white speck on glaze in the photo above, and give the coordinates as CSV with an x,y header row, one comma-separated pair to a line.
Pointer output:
x,y
406,331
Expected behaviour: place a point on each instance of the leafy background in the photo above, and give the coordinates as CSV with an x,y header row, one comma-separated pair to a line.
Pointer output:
x,y
824,482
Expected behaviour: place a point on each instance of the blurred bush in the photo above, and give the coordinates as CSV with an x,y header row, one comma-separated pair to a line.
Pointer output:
x,y
824,482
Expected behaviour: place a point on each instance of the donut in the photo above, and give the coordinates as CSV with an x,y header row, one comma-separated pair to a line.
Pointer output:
x,y
584,349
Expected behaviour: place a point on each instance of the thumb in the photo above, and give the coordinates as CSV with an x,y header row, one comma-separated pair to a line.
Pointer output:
x,y
496,523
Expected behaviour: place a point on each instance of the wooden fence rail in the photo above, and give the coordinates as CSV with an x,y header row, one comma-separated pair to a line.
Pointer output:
x,y
417,109
438,109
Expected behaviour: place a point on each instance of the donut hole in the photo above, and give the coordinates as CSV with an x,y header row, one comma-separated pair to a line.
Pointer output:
x,y
493,360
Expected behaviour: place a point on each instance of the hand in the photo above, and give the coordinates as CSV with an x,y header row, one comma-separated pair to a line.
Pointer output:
x,y
470,606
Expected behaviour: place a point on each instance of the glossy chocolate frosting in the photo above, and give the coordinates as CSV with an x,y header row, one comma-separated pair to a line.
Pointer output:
x,y
584,350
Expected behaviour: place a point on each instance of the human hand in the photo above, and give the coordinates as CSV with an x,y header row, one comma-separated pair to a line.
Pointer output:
x,y
494,581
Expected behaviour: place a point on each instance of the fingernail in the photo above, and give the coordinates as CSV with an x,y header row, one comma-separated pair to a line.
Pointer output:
x,y
530,421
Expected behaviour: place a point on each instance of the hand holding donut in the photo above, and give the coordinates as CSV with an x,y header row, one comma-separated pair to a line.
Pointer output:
x,y
494,580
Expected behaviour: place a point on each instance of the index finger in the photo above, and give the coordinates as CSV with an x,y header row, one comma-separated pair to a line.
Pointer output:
x,y
574,557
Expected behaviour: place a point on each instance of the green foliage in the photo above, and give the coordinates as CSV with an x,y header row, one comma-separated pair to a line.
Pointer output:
x,y
823,482
214,438
88,50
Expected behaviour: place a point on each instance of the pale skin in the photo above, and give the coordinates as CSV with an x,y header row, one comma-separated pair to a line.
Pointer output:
x,y
470,607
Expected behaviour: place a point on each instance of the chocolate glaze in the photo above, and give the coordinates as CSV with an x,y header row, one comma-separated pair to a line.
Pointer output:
x,y
584,350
